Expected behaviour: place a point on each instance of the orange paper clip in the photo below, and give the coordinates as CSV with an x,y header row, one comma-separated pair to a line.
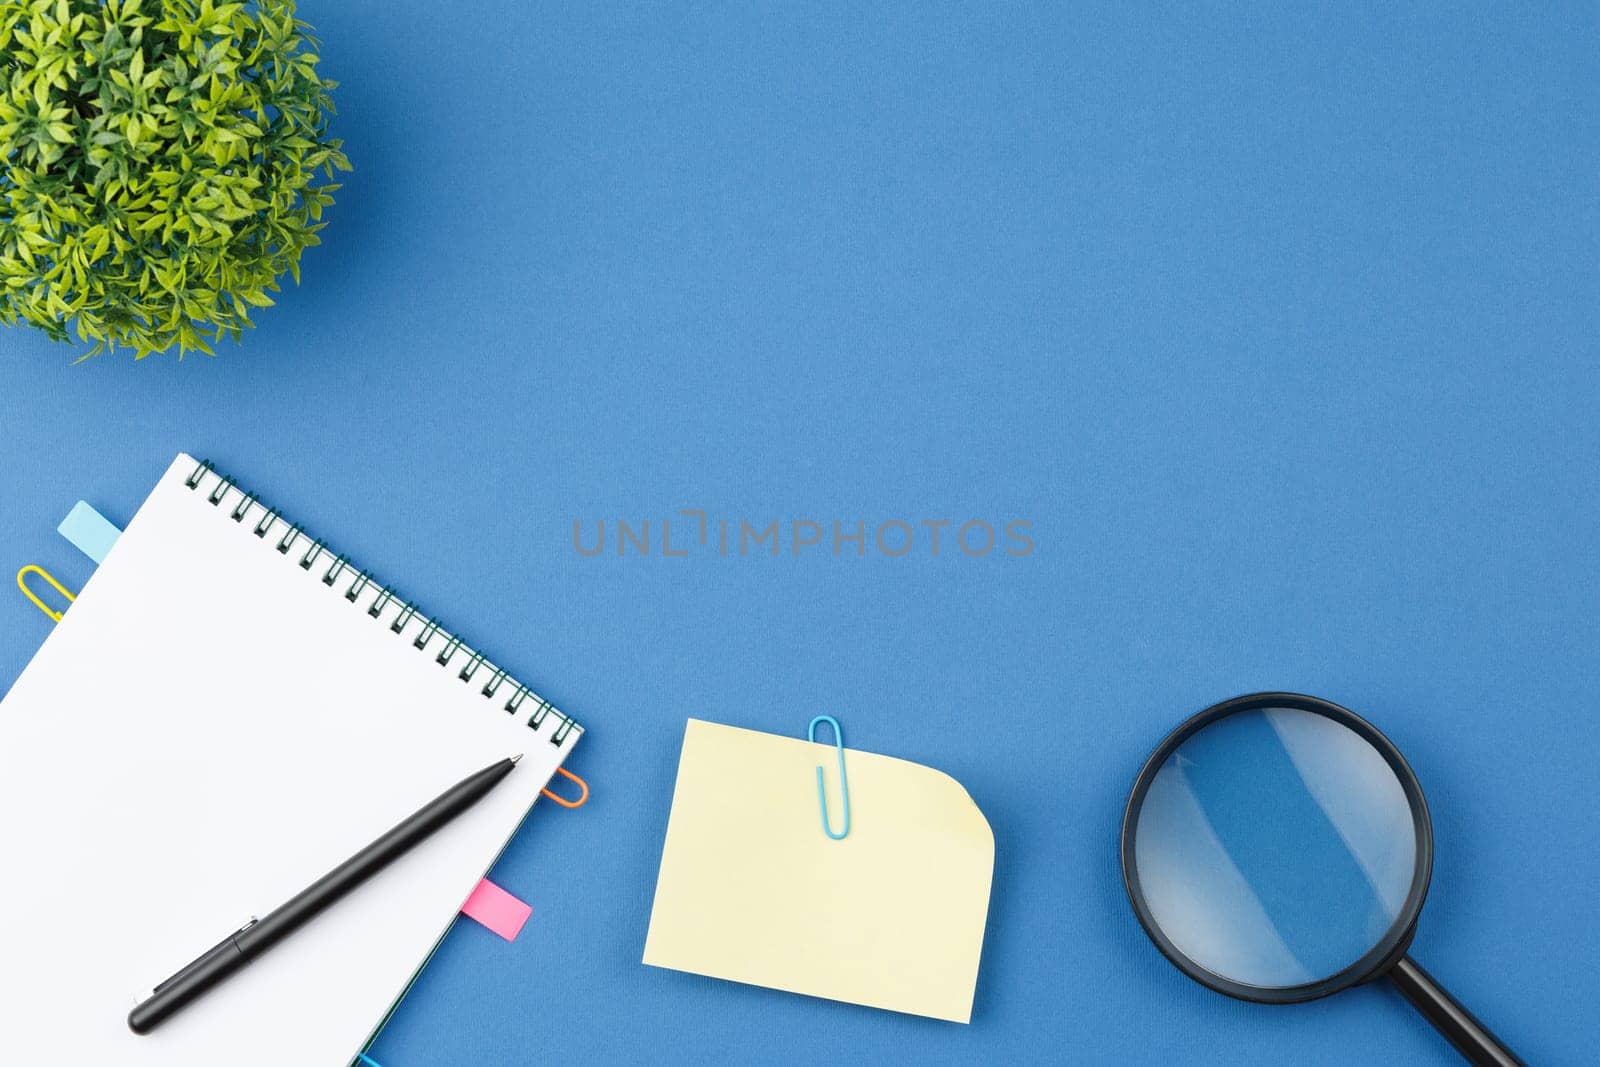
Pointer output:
x,y
563,801
22,584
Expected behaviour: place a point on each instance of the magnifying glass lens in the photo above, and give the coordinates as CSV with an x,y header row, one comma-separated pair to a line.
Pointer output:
x,y
1275,847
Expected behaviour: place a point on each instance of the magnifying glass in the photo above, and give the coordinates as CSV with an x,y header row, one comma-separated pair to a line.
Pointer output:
x,y
1277,848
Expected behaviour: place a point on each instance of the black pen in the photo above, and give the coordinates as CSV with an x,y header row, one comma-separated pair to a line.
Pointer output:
x,y
258,935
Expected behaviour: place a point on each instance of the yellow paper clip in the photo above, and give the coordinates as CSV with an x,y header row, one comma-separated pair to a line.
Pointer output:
x,y
22,584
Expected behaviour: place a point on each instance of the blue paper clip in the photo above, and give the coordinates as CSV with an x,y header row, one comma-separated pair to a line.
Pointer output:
x,y
844,783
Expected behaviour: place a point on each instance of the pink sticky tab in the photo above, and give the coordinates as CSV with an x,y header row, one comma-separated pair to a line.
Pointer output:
x,y
497,909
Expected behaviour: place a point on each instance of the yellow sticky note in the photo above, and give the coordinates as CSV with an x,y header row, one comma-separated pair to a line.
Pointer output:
x,y
752,890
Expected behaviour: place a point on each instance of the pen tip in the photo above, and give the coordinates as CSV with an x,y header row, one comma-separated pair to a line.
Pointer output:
x,y
517,757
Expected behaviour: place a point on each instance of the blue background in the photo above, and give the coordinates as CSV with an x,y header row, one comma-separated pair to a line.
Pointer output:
x,y
1280,328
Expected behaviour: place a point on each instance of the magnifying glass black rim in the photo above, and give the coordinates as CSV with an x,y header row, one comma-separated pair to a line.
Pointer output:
x,y
1393,943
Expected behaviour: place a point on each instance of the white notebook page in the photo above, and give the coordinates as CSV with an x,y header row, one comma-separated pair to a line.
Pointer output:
x,y
209,730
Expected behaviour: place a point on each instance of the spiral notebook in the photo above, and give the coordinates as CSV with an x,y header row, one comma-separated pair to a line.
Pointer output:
x,y
230,709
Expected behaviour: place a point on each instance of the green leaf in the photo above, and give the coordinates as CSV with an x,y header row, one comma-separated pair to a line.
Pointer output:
x,y
147,201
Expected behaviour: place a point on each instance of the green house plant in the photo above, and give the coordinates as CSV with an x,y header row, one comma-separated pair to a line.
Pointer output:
x,y
162,164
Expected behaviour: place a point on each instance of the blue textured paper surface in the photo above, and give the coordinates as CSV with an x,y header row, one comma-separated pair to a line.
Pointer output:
x,y
1281,329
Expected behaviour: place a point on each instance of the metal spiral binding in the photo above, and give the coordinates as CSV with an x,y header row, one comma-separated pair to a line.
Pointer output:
x,y
361,582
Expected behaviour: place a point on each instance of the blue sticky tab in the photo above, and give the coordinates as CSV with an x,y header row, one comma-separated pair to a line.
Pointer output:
x,y
90,531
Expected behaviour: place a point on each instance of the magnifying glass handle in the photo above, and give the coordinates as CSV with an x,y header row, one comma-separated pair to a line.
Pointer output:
x,y
1470,1037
